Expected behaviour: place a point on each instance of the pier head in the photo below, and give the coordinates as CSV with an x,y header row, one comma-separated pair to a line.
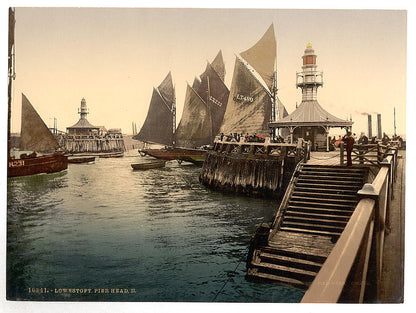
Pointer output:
x,y
251,168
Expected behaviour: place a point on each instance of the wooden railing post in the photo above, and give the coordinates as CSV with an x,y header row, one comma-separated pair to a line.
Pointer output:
x,y
341,154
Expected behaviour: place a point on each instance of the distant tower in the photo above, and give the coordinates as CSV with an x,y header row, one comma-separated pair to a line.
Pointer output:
x,y
309,79
83,111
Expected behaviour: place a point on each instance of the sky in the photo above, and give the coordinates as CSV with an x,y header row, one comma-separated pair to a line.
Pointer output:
x,y
113,57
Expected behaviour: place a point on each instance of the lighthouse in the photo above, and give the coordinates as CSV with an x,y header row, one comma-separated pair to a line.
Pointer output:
x,y
309,79
310,121
83,111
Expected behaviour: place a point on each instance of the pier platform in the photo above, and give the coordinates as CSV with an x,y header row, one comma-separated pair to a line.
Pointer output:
x,y
339,231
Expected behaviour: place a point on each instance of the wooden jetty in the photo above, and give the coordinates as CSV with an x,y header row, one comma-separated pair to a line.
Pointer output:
x,y
251,168
328,234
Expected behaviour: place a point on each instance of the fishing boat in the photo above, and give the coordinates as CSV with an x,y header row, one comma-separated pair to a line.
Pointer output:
x,y
148,165
39,150
237,162
203,112
78,160
111,155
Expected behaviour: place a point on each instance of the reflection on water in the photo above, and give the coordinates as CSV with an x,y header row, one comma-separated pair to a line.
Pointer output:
x,y
155,235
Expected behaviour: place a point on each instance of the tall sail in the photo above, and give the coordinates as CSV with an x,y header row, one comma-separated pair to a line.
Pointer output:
x,y
158,126
219,66
262,56
194,129
249,107
215,93
35,135
211,102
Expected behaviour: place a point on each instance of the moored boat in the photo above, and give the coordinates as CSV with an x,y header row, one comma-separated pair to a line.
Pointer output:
x,y
78,160
148,165
35,137
204,108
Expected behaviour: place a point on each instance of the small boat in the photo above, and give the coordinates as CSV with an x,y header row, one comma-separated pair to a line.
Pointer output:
x,y
148,165
35,136
78,160
111,155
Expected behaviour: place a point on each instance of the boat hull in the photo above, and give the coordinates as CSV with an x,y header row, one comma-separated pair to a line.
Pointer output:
x,y
78,160
99,154
37,165
148,165
181,154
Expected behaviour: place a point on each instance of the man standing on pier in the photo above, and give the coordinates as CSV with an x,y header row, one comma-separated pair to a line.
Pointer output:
x,y
349,142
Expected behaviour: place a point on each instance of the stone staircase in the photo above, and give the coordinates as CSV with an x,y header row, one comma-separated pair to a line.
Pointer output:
x,y
320,204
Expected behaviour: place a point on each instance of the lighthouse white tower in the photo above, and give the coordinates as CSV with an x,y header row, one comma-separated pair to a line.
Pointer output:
x,y
309,79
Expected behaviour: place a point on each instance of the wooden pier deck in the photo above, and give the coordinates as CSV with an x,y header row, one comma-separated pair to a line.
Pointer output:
x,y
392,279
324,158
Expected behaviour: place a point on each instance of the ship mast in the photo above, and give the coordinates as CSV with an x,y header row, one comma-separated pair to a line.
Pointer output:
x,y
174,118
11,74
275,105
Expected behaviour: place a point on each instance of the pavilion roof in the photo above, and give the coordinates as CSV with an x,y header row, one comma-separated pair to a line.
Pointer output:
x,y
310,113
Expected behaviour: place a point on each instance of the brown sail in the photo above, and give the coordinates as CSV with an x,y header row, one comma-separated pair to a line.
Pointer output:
x,y
249,107
215,93
158,126
35,135
212,103
194,129
219,66
262,56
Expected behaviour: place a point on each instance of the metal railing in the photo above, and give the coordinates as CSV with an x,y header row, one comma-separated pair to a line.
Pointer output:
x,y
352,271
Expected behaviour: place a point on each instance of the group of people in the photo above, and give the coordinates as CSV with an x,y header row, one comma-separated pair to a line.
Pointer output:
x,y
236,137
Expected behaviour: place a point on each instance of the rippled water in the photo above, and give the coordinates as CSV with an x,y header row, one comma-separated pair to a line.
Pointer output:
x,y
108,233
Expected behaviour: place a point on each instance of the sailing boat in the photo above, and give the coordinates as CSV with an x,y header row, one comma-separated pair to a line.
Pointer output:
x,y
203,112
35,135
159,126
253,101
204,108
38,147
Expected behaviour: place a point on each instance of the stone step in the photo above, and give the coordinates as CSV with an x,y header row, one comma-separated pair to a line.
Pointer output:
x,y
328,200
336,212
317,215
312,176
320,204
290,261
310,231
299,253
317,194
286,271
344,183
325,189
314,220
254,274
312,225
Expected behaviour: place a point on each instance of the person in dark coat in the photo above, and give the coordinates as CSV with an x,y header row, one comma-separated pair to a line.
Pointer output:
x,y
363,139
349,142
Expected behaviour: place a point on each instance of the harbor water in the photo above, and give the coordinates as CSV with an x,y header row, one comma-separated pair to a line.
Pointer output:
x,y
103,232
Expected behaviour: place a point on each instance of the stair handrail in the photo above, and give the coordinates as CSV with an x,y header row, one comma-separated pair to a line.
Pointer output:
x,y
283,205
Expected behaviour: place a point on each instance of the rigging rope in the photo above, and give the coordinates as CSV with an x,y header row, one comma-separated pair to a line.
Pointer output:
x,y
226,282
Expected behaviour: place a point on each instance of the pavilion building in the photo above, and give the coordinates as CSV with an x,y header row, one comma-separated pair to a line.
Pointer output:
x,y
310,120
83,137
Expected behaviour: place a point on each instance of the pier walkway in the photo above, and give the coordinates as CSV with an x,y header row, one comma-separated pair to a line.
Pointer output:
x,y
332,227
